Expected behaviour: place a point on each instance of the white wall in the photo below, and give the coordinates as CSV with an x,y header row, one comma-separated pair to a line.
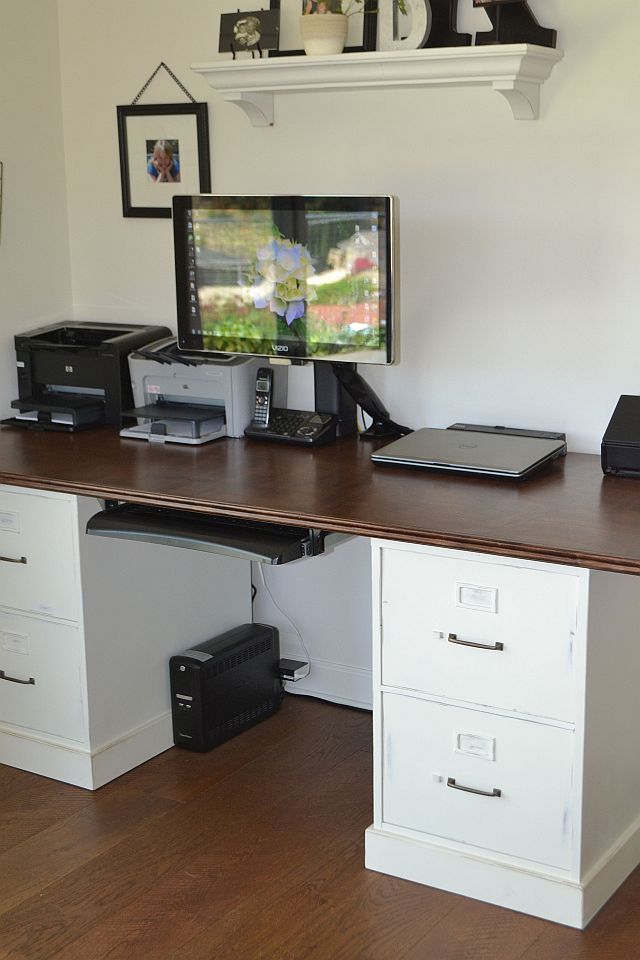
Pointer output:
x,y
35,282
323,605
520,285
519,239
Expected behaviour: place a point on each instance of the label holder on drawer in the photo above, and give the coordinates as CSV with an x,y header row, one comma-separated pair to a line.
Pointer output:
x,y
475,745
14,642
9,521
471,596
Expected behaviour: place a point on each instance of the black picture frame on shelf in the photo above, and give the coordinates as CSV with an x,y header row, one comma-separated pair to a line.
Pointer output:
x,y
170,140
290,10
513,21
251,31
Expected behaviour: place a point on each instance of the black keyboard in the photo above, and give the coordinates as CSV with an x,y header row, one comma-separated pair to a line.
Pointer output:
x,y
295,426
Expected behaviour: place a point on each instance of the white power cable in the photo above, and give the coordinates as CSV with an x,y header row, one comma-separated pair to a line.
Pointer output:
x,y
286,617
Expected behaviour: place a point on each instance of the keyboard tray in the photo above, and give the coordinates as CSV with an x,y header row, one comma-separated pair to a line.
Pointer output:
x,y
246,539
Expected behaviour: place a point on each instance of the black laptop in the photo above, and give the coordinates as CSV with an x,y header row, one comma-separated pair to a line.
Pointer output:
x,y
465,451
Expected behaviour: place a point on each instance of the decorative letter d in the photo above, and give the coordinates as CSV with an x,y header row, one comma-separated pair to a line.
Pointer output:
x,y
420,25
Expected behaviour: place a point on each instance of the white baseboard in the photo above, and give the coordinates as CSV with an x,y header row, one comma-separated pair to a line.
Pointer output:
x,y
336,682
75,764
528,892
130,751
555,898
604,878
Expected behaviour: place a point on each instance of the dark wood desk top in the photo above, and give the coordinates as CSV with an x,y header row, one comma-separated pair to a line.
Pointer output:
x,y
568,514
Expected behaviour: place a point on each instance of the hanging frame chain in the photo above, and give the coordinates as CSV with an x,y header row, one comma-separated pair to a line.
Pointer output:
x,y
162,65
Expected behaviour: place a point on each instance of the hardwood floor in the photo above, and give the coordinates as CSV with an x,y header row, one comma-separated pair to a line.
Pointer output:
x,y
252,851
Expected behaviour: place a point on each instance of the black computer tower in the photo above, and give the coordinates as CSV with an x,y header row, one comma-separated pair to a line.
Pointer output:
x,y
224,685
620,449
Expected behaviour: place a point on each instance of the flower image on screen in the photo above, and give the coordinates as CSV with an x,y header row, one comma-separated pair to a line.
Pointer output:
x,y
305,282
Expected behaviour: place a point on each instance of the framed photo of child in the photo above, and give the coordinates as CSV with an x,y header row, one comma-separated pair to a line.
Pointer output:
x,y
164,149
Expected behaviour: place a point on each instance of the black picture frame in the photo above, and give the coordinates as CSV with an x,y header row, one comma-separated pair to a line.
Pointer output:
x,y
295,8
513,21
140,125
234,39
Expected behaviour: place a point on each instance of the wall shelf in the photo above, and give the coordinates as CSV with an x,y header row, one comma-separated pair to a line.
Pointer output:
x,y
517,71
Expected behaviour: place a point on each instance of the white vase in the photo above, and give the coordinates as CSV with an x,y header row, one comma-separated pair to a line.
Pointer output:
x,y
323,34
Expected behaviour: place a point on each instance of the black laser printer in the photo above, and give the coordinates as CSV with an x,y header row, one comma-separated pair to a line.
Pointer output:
x,y
76,375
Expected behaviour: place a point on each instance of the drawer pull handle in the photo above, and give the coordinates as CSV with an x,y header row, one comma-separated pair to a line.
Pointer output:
x,y
14,559
481,793
3,676
453,638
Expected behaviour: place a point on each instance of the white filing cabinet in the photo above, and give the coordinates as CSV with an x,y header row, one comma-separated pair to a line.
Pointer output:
x,y
506,716
87,626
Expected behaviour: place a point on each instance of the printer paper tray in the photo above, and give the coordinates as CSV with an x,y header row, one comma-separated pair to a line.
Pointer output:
x,y
175,423
176,411
246,539
58,411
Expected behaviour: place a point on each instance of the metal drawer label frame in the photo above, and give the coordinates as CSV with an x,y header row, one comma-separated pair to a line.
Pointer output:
x,y
475,745
9,521
472,596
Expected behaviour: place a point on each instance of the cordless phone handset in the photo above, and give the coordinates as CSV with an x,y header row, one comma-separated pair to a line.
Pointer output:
x,y
264,391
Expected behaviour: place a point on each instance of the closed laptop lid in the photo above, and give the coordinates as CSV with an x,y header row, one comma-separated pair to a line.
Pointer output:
x,y
470,452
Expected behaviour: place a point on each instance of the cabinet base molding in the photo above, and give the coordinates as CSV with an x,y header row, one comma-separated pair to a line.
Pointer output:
x,y
535,893
77,765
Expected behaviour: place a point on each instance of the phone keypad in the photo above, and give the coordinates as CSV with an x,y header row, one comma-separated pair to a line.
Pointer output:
x,y
261,413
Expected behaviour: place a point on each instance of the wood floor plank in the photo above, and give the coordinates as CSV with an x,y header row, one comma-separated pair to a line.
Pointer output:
x,y
110,882
37,805
253,851
195,912
341,910
13,780
479,931
613,934
223,898
32,869
182,774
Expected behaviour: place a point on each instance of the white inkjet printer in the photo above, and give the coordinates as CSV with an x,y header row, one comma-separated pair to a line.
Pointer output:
x,y
188,398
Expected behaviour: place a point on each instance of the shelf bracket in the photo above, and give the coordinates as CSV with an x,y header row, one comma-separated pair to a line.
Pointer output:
x,y
522,96
257,106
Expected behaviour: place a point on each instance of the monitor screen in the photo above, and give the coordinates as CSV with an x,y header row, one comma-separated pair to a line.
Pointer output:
x,y
288,276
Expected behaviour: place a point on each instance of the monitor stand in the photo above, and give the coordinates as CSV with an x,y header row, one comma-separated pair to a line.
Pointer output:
x,y
331,397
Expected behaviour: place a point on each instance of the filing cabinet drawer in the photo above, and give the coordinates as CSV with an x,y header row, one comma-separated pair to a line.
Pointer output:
x,y
486,633
432,750
40,681
38,571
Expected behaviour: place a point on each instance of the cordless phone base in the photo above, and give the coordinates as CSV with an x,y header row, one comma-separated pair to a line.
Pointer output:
x,y
295,426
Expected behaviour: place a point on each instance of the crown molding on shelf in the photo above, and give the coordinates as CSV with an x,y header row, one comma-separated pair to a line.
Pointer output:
x,y
517,71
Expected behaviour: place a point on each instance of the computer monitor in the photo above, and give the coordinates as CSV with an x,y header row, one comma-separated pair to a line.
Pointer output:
x,y
306,278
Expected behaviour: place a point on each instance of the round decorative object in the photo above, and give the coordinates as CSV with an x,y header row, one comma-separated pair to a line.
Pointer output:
x,y
323,34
